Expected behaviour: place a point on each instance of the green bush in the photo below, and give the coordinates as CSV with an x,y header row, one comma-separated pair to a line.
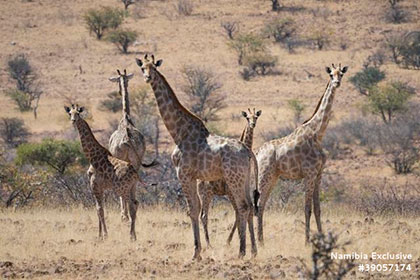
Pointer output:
x,y
122,39
280,29
13,131
246,45
367,78
55,154
260,63
22,99
389,99
100,20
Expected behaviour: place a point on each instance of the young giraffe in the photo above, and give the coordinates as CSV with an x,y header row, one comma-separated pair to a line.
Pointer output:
x,y
208,190
108,172
127,143
200,155
299,156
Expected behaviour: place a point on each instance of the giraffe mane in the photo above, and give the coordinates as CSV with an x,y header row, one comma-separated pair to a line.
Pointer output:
x,y
317,106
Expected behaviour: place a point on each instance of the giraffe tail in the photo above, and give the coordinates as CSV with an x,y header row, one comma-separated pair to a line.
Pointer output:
x,y
256,193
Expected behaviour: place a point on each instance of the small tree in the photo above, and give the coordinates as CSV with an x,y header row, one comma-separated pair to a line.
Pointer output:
x,y
122,39
203,91
55,154
260,63
231,27
281,29
389,99
246,44
297,107
100,20
128,3
275,5
410,50
320,38
366,79
27,93
13,131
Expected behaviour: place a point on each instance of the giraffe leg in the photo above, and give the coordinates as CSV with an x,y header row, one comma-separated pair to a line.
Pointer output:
x,y
317,207
100,211
132,206
266,181
251,231
189,187
124,210
206,196
235,224
310,184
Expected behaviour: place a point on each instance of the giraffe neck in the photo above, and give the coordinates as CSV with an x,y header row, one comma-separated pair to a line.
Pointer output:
x,y
91,147
179,121
247,136
318,123
125,100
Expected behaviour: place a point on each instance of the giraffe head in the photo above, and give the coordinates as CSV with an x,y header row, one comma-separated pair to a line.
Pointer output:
x,y
336,73
122,79
74,112
252,117
148,67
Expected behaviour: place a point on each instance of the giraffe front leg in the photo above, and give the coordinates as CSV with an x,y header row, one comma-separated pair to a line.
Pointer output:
x,y
206,195
124,210
189,187
103,234
266,182
132,206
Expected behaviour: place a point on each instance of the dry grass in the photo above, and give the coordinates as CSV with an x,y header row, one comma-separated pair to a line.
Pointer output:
x,y
62,244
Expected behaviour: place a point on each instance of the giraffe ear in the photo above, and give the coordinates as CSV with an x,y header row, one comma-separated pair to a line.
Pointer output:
x,y
344,70
67,109
244,114
139,62
130,75
113,79
258,113
81,109
328,70
158,63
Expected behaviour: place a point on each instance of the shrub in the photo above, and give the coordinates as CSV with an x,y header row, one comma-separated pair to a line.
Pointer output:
x,y
396,15
128,3
261,63
275,5
122,39
297,107
280,29
320,38
56,154
367,78
246,45
112,103
100,20
375,60
13,131
184,7
410,50
389,99
230,27
202,89
27,93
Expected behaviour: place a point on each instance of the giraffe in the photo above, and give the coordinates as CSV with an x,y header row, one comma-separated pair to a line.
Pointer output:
x,y
208,190
108,172
199,155
127,143
299,156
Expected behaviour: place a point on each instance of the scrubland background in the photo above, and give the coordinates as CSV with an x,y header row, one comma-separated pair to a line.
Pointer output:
x,y
369,197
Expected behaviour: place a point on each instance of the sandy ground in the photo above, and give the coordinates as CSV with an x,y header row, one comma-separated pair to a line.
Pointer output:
x,y
62,244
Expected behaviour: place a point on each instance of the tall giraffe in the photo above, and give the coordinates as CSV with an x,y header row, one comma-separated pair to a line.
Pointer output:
x,y
127,143
299,156
199,155
208,190
108,172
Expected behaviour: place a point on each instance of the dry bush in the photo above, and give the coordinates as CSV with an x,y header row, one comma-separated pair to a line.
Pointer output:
x,y
230,27
281,29
386,199
203,90
376,59
405,48
184,7
323,265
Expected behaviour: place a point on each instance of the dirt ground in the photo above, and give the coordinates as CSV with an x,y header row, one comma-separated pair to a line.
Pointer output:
x,y
63,244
